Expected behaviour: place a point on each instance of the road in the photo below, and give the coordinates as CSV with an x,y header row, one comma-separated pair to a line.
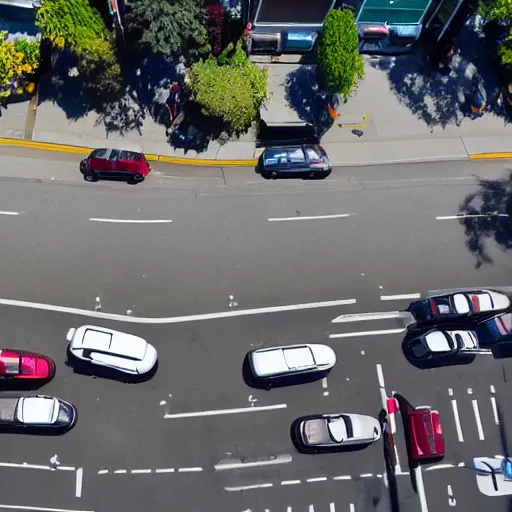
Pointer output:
x,y
208,266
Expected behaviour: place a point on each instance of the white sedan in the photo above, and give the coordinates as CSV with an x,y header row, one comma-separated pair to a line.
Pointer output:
x,y
333,431
437,343
112,349
278,362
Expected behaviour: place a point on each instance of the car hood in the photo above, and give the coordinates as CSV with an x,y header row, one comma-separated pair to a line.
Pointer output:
x,y
500,300
365,426
323,355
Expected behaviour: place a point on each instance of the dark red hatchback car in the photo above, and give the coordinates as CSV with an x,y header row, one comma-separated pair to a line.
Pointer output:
x,y
115,164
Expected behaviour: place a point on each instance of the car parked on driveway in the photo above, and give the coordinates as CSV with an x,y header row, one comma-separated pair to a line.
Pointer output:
x,y
131,166
301,161
461,304
436,343
268,364
36,412
22,365
119,351
324,432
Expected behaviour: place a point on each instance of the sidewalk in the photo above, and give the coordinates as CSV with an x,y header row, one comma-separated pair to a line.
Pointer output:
x,y
404,112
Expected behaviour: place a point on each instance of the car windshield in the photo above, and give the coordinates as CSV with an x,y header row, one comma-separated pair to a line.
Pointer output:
x,y
101,153
418,349
440,306
9,363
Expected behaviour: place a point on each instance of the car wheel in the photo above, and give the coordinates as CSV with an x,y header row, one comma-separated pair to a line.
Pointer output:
x,y
91,177
137,178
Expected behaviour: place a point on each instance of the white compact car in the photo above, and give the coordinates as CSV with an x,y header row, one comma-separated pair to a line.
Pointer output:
x,y
113,349
279,362
334,431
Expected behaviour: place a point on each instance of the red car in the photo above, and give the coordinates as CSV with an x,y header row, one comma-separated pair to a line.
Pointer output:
x,y
426,439
115,164
18,364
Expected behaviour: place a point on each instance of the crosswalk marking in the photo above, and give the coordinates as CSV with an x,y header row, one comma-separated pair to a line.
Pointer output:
x,y
478,420
458,426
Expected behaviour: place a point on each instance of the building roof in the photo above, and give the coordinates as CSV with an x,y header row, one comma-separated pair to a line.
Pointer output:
x,y
393,12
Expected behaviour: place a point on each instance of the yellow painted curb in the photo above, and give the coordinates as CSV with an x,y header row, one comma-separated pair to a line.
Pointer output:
x,y
63,148
489,156
45,146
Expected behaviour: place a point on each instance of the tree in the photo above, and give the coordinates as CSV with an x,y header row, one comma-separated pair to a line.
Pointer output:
x,y
232,89
214,23
76,25
338,57
17,62
172,27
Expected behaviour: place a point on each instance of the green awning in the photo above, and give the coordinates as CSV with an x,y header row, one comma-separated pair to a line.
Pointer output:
x,y
393,12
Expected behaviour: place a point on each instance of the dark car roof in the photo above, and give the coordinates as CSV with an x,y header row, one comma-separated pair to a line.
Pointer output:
x,y
120,154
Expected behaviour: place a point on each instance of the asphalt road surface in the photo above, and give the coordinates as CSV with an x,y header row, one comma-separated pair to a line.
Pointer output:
x,y
208,265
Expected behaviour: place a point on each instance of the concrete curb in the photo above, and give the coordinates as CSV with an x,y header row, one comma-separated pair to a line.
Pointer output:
x,y
82,150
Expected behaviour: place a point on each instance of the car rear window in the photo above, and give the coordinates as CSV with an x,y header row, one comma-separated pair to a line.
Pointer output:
x,y
130,155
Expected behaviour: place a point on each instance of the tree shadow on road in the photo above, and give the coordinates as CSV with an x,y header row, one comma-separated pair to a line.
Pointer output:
x,y
492,200
442,98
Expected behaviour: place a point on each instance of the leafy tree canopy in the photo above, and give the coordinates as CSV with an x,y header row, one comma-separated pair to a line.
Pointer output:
x,y
338,52
232,90
76,25
173,27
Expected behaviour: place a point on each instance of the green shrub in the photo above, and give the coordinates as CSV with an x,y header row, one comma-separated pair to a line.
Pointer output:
x,y
233,91
339,61
30,51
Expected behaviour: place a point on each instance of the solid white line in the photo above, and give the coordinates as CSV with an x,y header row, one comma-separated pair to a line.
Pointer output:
x,y
24,465
311,508
440,466
477,216
400,297
495,410
66,468
380,376
457,421
189,470
366,475
9,213
290,482
248,487
120,472
42,509
332,508
352,508
79,481
288,509
364,333
318,479
478,420
218,412
362,317
165,470
103,472
421,489
140,471
313,217
342,477
175,319
127,221
281,459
